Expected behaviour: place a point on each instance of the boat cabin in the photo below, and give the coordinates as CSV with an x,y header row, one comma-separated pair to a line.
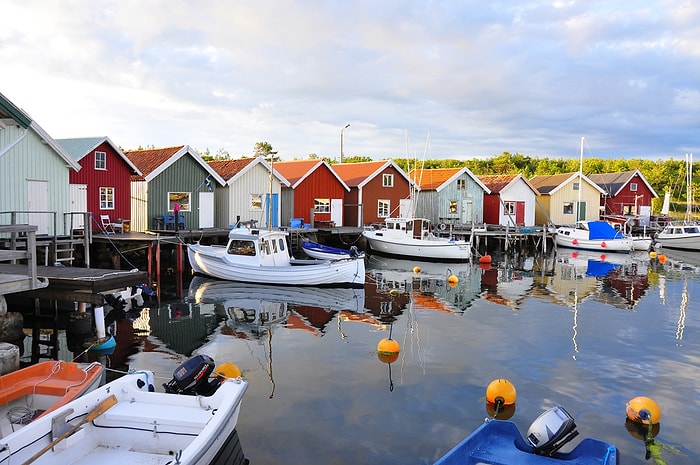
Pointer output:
x,y
417,228
254,246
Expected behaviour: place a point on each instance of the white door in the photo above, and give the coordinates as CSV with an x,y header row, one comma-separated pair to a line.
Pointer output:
x,y
78,203
206,209
38,201
406,208
337,211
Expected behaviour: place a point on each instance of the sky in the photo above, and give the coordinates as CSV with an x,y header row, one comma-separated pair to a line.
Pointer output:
x,y
419,79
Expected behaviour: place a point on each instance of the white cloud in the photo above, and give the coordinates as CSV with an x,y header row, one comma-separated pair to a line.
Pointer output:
x,y
529,77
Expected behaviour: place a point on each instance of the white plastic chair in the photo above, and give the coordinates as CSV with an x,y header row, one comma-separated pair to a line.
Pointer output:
x,y
109,227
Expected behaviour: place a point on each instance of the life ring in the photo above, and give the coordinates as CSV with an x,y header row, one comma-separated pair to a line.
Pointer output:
x,y
442,226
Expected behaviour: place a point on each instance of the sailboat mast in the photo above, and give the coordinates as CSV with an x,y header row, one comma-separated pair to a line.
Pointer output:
x,y
689,189
580,183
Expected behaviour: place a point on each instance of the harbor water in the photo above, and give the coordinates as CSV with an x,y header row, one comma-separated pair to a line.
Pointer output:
x,y
585,332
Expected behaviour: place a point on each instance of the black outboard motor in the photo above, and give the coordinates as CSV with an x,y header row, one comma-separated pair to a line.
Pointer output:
x,y
192,378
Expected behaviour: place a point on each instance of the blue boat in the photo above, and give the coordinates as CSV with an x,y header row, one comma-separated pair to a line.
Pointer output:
x,y
326,252
499,442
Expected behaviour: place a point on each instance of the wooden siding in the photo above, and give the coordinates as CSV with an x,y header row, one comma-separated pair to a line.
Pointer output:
x,y
626,197
321,183
517,192
555,204
373,191
32,160
140,221
184,175
117,175
435,205
254,181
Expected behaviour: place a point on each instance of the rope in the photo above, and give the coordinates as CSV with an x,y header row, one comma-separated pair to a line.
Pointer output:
x,y
114,246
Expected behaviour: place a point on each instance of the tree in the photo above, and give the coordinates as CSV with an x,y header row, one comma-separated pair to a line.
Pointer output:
x,y
263,149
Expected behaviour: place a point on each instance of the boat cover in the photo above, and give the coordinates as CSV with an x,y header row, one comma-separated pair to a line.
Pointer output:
x,y
602,230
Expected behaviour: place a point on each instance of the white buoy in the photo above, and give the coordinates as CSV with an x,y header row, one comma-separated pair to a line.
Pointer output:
x,y
100,322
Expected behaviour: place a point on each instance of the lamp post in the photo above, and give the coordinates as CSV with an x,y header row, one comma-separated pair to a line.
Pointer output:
x,y
341,141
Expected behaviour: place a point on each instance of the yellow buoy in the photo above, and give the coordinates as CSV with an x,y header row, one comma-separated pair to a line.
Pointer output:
x,y
662,259
227,370
501,391
652,254
500,412
643,410
394,292
453,280
388,347
416,269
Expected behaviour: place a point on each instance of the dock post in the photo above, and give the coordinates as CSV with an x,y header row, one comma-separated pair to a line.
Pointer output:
x,y
158,268
150,264
178,275
544,240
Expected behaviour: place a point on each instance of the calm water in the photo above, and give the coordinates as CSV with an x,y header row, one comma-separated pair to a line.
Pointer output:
x,y
565,330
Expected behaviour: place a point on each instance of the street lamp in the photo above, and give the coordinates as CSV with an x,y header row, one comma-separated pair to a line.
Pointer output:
x,y
341,141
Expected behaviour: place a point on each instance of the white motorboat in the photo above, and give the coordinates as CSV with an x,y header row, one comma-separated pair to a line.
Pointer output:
x,y
593,235
127,422
414,238
231,294
263,257
685,236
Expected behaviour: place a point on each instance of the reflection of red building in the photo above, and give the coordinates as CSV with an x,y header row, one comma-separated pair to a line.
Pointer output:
x,y
631,286
313,319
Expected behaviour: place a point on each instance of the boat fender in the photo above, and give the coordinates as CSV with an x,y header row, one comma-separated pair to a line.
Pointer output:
x,y
603,244
442,226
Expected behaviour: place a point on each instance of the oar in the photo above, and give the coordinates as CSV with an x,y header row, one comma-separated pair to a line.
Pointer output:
x,y
101,408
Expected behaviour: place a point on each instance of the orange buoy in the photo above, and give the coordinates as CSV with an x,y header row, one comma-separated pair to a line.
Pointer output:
x,y
485,259
662,259
388,358
500,391
388,347
652,254
453,280
227,370
500,412
643,410
416,269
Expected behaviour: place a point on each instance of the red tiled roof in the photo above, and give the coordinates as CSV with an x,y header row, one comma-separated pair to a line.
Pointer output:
x,y
354,174
229,168
497,182
149,160
433,178
294,170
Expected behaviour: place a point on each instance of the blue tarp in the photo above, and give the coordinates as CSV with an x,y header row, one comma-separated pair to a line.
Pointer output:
x,y
602,230
599,269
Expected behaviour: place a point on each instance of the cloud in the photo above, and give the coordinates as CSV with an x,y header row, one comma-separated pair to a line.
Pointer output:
x,y
529,77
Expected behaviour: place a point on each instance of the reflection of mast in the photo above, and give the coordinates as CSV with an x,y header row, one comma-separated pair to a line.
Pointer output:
x,y
269,364
573,338
412,329
684,305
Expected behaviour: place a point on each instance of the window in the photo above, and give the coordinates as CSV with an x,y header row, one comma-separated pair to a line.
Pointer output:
x,y
383,208
453,206
322,206
180,198
633,186
106,198
576,186
568,208
509,208
100,161
256,202
239,247
387,180
461,184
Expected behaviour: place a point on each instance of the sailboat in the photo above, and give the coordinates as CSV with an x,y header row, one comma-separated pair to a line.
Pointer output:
x,y
414,238
591,235
685,235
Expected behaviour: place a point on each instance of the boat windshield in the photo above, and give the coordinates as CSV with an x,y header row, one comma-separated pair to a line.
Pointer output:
x,y
241,247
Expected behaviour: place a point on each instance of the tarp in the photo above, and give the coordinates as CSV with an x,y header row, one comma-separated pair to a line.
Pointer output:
x,y
602,230
599,269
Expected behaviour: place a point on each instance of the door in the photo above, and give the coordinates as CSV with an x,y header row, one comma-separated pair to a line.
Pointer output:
x,y
271,210
206,209
38,201
406,208
581,211
467,215
520,213
78,203
337,211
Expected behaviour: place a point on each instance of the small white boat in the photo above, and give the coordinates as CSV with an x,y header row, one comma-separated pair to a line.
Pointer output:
x,y
593,235
684,236
413,238
326,252
641,243
127,422
263,257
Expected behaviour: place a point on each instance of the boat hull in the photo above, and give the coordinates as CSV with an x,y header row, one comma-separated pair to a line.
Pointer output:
x,y
214,261
143,427
679,242
438,249
611,245
324,252
45,386
499,442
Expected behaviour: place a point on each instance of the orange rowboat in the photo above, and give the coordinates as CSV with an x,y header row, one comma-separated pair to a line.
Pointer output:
x,y
31,392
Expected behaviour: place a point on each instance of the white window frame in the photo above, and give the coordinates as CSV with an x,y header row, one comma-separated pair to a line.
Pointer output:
x,y
633,187
100,160
182,198
387,180
509,207
256,202
106,198
383,208
322,205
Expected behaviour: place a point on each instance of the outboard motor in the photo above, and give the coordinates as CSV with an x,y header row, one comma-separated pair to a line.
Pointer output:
x,y
551,430
354,252
192,377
